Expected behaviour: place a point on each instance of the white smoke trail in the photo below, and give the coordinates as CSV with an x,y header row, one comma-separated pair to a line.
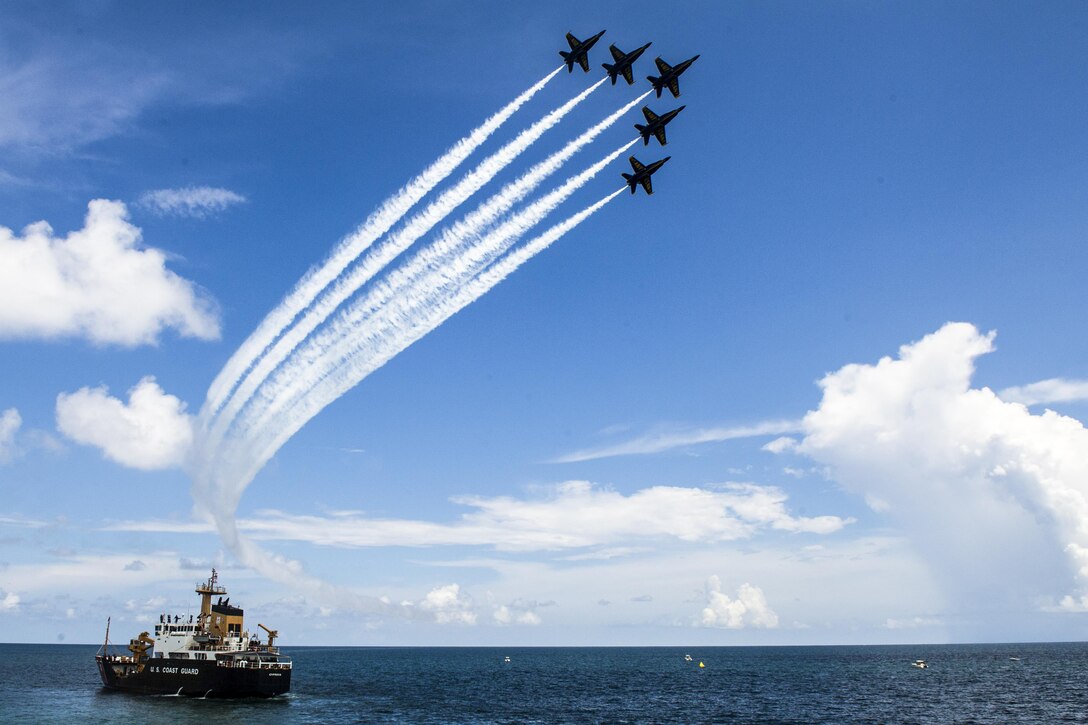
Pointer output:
x,y
379,222
350,349
384,253
290,572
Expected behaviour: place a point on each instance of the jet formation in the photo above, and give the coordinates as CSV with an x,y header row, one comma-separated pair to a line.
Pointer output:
x,y
622,65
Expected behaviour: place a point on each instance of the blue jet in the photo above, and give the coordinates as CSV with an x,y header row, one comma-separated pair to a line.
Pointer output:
x,y
579,51
643,173
623,63
669,76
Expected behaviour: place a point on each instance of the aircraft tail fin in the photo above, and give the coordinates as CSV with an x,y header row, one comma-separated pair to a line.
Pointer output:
x,y
644,132
656,83
611,70
568,60
630,181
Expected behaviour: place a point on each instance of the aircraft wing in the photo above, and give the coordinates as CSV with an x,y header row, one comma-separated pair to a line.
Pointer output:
x,y
650,115
574,42
660,133
674,86
662,66
584,62
628,76
637,165
617,54
649,187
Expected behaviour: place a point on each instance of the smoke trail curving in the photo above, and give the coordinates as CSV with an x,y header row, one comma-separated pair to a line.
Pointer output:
x,y
382,255
379,222
350,349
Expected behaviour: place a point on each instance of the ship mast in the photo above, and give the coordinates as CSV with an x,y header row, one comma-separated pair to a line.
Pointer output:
x,y
106,644
206,591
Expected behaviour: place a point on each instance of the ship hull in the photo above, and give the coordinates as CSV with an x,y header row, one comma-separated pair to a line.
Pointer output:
x,y
193,678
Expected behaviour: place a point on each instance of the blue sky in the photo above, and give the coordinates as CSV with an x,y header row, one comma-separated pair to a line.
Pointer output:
x,y
675,424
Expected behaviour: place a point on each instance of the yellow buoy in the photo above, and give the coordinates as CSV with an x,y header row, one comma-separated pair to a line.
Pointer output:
x,y
701,664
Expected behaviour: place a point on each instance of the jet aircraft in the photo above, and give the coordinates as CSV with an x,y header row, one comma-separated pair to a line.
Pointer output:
x,y
643,173
655,124
579,51
623,64
669,76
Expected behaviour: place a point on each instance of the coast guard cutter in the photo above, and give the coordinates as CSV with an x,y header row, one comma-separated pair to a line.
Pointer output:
x,y
207,655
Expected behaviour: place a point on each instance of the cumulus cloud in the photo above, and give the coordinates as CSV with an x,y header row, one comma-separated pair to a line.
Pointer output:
x,y
449,605
190,201
1054,390
98,283
574,514
9,601
151,431
10,420
748,609
990,492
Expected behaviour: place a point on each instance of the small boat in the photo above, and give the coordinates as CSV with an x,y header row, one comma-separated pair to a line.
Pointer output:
x,y
687,658
920,664
506,659
1014,659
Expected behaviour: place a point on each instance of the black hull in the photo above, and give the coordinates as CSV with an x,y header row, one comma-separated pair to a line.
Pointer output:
x,y
192,678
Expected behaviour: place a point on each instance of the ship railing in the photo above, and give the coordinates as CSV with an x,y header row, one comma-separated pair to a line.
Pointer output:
x,y
245,664
123,659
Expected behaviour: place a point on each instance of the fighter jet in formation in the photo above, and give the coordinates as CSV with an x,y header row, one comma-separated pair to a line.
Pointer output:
x,y
669,76
579,51
623,63
655,125
643,173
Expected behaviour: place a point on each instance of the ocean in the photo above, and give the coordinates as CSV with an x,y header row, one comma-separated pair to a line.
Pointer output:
x,y
841,684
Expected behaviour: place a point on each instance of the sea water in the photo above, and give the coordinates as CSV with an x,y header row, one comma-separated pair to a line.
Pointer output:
x,y
1047,683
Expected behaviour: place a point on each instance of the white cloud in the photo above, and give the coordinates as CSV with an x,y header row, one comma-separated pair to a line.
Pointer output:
x,y
748,609
151,431
990,492
779,445
509,614
10,420
575,514
1054,390
22,521
9,601
449,605
658,442
56,101
68,85
190,201
96,283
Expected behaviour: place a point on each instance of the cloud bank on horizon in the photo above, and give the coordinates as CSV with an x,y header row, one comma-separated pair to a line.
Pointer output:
x,y
986,487
955,466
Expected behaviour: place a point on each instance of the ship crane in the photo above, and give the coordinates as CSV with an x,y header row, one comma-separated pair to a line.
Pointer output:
x,y
272,634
